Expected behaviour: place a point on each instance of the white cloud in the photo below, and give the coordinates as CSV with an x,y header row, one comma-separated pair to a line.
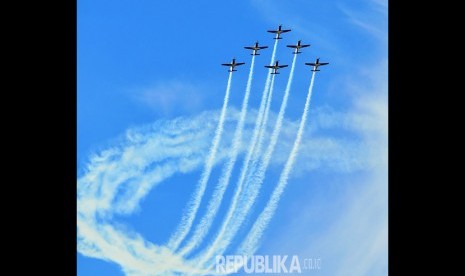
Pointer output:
x,y
172,97
374,22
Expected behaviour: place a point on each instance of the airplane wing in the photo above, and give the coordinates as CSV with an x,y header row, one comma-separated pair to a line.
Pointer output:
x,y
268,66
227,64
250,48
324,63
263,47
240,63
291,46
273,32
303,46
285,31
310,63
282,66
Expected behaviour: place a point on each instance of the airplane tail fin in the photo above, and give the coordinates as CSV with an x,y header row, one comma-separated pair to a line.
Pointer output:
x,y
315,70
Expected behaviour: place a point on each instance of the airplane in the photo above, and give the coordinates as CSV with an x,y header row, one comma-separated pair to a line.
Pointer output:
x,y
278,32
275,67
232,65
255,49
298,46
316,64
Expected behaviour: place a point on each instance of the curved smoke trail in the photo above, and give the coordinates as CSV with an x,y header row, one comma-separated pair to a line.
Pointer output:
x,y
193,205
249,245
254,182
205,223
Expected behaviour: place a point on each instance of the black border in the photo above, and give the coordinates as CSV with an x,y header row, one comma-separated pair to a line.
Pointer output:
x,y
44,100
411,169
394,208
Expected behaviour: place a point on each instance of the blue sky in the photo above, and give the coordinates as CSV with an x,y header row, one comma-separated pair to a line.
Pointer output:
x,y
150,87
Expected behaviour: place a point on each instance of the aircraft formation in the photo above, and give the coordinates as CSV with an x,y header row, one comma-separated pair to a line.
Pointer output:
x,y
255,48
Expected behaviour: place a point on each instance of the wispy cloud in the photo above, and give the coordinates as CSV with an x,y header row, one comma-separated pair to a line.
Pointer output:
x,y
118,178
374,22
172,97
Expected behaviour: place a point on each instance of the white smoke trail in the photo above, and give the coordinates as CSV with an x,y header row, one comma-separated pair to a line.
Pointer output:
x,y
205,223
261,136
249,245
245,164
221,243
194,203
